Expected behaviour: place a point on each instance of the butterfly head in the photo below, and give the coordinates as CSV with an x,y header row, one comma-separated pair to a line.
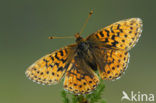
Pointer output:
x,y
78,38
82,44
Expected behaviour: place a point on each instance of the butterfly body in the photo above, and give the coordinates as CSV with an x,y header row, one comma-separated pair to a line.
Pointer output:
x,y
84,51
82,46
106,50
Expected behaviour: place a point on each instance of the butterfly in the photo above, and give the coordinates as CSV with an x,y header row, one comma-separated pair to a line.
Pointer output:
x,y
105,51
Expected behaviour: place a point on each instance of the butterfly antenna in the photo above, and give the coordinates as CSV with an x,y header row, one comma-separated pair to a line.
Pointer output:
x,y
85,23
78,34
54,37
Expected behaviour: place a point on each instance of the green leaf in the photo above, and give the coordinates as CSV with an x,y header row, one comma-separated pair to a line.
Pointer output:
x,y
65,98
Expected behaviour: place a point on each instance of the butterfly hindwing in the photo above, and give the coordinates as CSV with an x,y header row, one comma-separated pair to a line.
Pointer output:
x,y
120,35
79,78
51,68
111,63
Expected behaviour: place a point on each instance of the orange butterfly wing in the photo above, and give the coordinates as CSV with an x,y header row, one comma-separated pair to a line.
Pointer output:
x,y
111,63
120,35
117,62
79,78
51,68
113,43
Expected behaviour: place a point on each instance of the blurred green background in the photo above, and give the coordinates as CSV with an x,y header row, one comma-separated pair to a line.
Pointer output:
x,y
26,24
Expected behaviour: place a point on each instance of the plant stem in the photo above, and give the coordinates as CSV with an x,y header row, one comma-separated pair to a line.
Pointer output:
x,y
82,99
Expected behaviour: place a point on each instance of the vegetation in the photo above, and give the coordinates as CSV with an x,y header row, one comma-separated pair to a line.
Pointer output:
x,y
95,97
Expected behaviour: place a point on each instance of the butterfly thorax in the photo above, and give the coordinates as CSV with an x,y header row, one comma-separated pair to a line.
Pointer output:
x,y
84,52
82,45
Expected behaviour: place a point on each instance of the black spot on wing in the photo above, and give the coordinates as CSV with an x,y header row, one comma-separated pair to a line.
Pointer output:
x,y
61,52
60,69
57,57
121,30
112,29
57,64
97,36
107,32
118,27
114,43
106,40
113,37
63,60
52,58
101,33
46,61
50,65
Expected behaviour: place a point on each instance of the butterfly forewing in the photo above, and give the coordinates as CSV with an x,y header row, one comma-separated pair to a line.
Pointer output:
x,y
51,68
120,35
